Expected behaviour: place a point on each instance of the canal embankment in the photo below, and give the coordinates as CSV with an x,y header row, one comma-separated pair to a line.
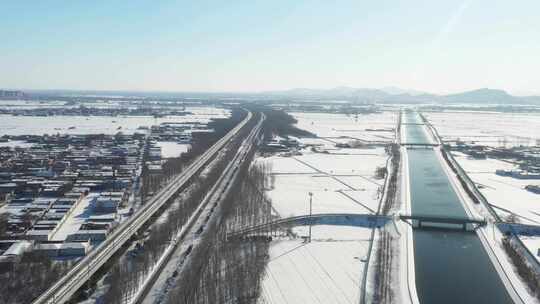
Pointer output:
x,y
517,267
450,266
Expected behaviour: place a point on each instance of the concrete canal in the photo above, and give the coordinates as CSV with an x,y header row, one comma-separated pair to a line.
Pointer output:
x,y
451,266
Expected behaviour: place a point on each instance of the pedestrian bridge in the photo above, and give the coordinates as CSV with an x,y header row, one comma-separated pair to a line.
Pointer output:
x,y
362,220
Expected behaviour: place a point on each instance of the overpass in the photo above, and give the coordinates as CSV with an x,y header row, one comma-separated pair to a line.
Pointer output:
x,y
362,220
333,219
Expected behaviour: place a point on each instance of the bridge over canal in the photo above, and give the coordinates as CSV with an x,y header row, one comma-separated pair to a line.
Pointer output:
x,y
362,220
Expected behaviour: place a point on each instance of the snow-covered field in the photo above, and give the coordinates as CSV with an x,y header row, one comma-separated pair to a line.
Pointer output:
x,y
488,128
327,270
506,194
339,183
330,268
533,244
503,192
370,127
34,125
341,180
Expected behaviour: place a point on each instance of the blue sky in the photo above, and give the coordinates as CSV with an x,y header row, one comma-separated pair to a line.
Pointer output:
x,y
436,46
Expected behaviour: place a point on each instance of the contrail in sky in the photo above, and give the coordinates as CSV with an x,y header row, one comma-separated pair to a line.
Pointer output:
x,y
452,22
441,36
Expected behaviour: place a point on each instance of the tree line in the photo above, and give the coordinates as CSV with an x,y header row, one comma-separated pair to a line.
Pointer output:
x,y
229,271
23,281
127,275
151,182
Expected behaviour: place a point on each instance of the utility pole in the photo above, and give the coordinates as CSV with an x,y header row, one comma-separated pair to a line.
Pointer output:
x,y
310,213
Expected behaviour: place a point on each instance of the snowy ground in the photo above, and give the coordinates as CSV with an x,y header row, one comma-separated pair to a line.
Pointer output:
x,y
334,126
339,183
172,149
78,216
330,268
341,180
327,270
31,104
16,143
506,194
33,125
533,244
488,128
503,192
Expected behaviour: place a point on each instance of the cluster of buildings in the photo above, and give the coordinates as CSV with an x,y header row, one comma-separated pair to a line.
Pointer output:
x,y
96,111
181,132
11,94
527,156
280,145
66,193
527,159
519,174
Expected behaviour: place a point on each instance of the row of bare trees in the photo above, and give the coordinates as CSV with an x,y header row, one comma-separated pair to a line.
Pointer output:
x,y
229,271
25,280
392,181
383,279
152,182
526,271
127,275
222,270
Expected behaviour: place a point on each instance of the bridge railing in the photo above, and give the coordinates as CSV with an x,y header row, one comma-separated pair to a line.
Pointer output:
x,y
345,219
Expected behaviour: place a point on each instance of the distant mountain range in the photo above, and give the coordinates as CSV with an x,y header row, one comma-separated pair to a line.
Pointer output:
x,y
397,95
364,95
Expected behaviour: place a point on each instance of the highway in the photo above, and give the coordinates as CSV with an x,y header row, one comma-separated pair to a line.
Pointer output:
x,y
161,279
62,290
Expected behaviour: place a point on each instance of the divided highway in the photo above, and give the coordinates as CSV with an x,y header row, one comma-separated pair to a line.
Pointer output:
x,y
156,286
62,290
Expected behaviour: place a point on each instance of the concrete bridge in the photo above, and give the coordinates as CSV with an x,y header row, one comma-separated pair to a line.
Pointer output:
x,y
420,144
424,221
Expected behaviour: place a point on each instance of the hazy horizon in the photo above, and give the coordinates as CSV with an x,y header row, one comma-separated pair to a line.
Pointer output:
x,y
247,46
417,92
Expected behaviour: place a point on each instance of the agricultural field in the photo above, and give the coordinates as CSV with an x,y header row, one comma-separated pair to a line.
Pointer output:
x,y
496,129
338,167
